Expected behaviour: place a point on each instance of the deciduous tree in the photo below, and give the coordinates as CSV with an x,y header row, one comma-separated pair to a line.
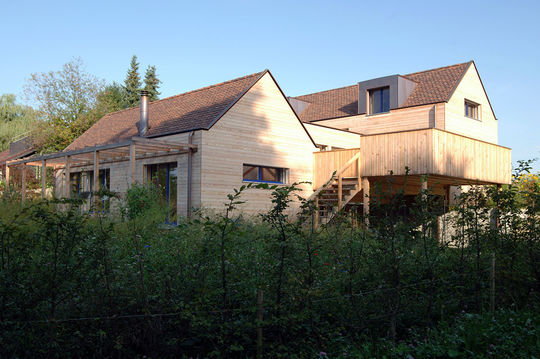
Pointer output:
x,y
15,120
66,100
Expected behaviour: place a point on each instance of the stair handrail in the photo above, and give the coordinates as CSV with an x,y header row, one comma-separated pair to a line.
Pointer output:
x,y
336,174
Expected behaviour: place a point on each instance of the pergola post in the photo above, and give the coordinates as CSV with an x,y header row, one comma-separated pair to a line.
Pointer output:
x,y
365,188
23,184
67,179
7,175
95,184
132,159
43,178
189,177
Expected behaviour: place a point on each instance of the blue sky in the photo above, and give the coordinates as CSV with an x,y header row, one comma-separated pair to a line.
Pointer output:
x,y
308,45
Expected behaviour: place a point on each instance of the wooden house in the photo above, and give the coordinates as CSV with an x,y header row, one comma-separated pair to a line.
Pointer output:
x,y
200,145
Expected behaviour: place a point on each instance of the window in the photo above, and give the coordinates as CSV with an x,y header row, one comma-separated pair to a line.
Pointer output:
x,y
471,109
254,173
82,187
379,100
165,177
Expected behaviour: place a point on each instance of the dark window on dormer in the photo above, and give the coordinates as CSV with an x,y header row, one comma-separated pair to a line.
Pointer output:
x,y
379,100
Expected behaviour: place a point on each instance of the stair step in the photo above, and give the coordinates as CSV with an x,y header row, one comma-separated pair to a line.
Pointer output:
x,y
344,185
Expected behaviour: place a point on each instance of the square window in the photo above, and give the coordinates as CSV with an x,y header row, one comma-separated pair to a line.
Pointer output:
x,y
379,100
471,109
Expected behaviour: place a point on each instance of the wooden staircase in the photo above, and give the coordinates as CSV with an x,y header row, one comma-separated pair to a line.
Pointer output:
x,y
337,192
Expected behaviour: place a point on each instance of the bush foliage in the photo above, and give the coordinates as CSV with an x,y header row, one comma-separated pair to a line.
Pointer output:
x,y
75,285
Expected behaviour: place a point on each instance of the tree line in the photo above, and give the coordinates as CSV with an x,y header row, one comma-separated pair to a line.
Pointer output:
x,y
67,102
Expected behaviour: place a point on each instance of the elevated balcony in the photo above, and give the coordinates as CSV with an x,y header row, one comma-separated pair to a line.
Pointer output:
x,y
446,158
461,160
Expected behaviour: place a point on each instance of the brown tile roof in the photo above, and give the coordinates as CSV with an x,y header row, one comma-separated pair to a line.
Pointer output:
x,y
4,156
8,155
436,85
193,110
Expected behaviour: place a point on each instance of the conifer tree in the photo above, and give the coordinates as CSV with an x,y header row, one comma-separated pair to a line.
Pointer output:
x,y
132,83
151,83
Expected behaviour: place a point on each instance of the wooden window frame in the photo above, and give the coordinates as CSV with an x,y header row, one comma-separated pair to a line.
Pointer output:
x,y
476,109
284,174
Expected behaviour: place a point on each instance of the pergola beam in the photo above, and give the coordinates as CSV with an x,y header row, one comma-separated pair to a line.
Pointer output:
x,y
164,144
122,148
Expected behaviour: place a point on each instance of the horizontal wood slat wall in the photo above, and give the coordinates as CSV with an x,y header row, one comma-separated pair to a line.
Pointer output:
x,y
326,162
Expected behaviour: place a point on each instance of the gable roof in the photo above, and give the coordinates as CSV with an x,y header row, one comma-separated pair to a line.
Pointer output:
x,y
432,86
189,111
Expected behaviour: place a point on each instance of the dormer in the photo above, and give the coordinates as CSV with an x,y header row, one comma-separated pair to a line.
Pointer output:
x,y
383,94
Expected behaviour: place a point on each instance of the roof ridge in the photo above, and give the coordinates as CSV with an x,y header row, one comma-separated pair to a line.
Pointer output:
x,y
438,68
314,93
192,91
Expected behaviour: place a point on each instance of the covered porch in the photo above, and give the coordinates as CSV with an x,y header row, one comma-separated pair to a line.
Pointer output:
x,y
129,153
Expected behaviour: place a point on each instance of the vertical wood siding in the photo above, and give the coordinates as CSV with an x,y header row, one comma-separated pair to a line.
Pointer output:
x,y
326,162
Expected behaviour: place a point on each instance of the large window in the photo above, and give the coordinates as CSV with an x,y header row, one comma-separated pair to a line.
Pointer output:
x,y
82,186
471,109
165,177
253,173
379,100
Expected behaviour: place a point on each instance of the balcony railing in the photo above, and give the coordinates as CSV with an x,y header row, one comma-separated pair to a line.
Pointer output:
x,y
431,151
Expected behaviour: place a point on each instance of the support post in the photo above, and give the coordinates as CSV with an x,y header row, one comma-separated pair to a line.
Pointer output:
x,y
67,179
23,185
316,213
43,178
189,177
7,175
340,192
492,284
424,188
132,159
365,188
95,185
497,210
260,311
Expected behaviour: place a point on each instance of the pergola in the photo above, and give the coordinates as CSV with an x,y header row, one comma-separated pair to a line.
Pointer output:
x,y
131,150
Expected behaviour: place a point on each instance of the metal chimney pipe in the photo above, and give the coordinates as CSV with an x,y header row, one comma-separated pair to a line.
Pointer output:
x,y
143,122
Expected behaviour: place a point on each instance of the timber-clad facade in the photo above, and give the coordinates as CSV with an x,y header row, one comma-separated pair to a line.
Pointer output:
x,y
200,145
